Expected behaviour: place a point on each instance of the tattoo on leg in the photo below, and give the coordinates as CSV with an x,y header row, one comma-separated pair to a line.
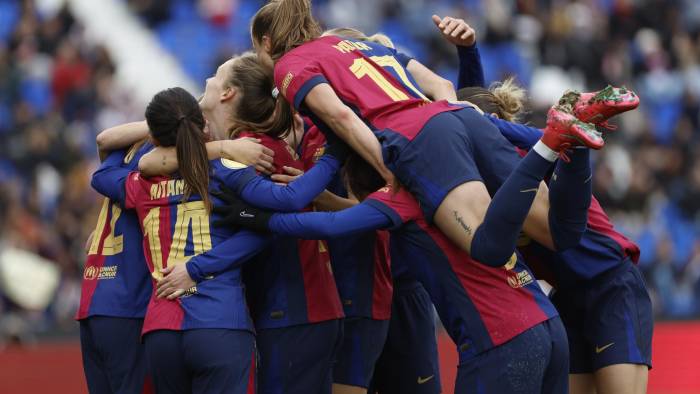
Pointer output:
x,y
464,226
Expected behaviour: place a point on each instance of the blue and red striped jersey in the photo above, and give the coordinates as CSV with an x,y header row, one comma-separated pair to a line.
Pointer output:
x,y
361,263
175,229
367,77
291,282
115,281
480,306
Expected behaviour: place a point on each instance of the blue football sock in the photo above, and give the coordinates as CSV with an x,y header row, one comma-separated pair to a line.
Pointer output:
x,y
569,199
494,240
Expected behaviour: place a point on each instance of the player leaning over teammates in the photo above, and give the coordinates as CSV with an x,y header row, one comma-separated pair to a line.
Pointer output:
x,y
414,132
600,294
199,340
408,362
508,335
291,291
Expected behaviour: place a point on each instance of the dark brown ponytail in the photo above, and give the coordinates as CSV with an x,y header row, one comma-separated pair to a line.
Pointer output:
x,y
174,119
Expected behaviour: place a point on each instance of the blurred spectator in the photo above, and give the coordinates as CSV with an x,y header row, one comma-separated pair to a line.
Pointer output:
x,y
56,92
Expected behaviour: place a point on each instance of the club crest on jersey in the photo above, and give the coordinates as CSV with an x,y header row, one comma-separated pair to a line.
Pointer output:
x,y
520,279
319,152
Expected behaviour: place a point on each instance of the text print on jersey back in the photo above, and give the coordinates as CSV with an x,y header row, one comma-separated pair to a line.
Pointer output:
x,y
111,245
192,222
362,67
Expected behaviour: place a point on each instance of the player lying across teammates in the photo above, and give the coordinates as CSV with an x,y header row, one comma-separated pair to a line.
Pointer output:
x,y
228,308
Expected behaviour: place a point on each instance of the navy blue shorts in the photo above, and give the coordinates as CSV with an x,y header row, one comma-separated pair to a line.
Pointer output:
x,y
201,360
608,322
534,362
409,360
363,340
453,148
298,359
113,356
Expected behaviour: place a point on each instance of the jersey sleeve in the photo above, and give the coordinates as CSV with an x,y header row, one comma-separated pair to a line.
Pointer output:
x,y
295,76
400,207
323,225
110,178
264,193
471,72
231,253
524,137
402,58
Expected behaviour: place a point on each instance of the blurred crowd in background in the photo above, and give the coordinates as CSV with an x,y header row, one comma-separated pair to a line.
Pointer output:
x,y
57,92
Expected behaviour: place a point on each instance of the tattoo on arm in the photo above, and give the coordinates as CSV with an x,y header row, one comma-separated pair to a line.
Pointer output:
x,y
461,222
163,162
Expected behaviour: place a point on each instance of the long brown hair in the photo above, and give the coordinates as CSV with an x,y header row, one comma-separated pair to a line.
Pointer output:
x,y
174,119
288,24
256,104
504,99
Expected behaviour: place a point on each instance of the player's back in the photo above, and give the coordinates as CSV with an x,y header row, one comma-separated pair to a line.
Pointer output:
x,y
480,306
175,229
115,278
366,76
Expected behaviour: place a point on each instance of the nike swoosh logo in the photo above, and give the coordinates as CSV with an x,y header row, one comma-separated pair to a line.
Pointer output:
x,y
423,380
246,215
601,349
529,190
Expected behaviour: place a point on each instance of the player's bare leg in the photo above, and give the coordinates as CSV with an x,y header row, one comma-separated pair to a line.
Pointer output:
x,y
622,379
582,383
345,389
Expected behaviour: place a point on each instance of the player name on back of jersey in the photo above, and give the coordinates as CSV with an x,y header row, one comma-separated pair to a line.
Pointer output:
x,y
347,46
162,189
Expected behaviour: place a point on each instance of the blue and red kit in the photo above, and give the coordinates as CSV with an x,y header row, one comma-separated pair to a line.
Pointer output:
x,y
481,307
182,229
116,281
600,294
114,295
291,282
412,130
294,303
363,276
176,229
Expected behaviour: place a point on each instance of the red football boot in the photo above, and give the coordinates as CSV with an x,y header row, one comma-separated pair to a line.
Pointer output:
x,y
564,131
598,107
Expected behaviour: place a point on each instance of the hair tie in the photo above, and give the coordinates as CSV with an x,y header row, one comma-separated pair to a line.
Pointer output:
x,y
275,92
180,119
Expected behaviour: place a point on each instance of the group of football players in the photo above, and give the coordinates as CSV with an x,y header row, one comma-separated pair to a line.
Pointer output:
x,y
295,229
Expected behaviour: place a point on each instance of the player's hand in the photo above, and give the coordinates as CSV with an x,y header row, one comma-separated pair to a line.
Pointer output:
x,y
175,282
249,151
456,31
236,212
291,176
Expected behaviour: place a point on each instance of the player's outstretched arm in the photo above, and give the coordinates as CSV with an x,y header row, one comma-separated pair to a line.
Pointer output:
x,y
110,178
229,254
249,151
120,137
433,85
325,104
459,33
